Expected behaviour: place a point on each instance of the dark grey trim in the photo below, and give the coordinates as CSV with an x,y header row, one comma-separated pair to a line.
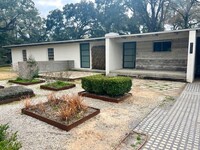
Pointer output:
x,y
57,42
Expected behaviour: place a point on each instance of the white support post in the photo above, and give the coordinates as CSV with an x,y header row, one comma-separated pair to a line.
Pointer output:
x,y
191,56
109,47
107,67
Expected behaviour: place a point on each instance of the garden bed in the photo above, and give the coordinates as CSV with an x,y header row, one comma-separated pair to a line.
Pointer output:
x,y
105,97
26,82
14,93
57,86
58,112
134,140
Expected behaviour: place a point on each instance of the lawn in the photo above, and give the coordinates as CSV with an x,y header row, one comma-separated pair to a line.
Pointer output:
x,y
7,73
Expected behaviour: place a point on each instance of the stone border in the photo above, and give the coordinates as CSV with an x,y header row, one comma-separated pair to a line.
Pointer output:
x,y
15,99
104,97
132,132
44,87
27,83
58,124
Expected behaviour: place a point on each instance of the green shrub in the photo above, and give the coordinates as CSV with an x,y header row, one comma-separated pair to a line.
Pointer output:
x,y
112,86
14,92
97,85
88,82
8,141
116,86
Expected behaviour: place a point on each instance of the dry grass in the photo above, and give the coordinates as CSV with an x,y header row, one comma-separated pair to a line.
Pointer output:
x,y
74,104
27,103
52,99
7,73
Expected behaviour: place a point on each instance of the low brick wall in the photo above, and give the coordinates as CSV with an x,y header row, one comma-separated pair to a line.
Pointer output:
x,y
50,66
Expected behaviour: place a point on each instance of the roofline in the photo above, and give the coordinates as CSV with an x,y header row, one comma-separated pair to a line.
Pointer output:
x,y
154,33
99,38
56,42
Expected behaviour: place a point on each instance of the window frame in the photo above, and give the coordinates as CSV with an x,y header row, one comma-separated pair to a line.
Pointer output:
x,y
162,49
81,56
24,55
50,56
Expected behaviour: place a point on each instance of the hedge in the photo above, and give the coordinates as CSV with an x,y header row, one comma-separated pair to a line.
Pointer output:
x,y
14,92
112,86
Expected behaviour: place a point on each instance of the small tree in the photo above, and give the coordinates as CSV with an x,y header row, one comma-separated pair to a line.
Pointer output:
x,y
32,68
29,69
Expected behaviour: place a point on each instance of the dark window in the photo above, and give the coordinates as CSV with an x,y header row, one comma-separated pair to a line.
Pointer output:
x,y
51,53
24,55
85,55
129,54
162,46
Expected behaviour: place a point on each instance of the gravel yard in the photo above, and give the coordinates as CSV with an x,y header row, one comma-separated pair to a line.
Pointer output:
x,y
102,132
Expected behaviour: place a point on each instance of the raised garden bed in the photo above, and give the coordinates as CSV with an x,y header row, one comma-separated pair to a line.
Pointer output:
x,y
14,93
52,112
134,140
1,87
105,97
26,82
57,86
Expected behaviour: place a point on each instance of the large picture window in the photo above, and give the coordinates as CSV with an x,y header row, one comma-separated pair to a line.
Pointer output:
x,y
24,55
162,46
51,53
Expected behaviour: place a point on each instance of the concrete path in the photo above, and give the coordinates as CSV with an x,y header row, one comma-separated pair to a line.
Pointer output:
x,y
175,128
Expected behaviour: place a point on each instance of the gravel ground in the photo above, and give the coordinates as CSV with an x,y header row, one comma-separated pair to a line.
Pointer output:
x,y
102,132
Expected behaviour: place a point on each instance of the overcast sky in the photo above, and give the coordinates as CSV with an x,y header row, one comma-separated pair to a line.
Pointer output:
x,y
44,6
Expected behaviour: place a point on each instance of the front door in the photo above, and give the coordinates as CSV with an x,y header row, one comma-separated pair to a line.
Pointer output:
x,y
129,55
198,57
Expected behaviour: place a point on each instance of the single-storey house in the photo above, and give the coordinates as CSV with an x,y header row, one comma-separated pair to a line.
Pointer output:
x,y
167,54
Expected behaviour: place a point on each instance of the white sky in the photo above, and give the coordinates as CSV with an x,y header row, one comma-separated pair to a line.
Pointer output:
x,y
45,6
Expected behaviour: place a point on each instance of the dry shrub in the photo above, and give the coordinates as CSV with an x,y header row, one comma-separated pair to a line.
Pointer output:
x,y
27,103
41,107
77,102
73,106
64,113
52,99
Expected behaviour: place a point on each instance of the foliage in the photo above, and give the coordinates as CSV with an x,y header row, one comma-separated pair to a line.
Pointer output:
x,y
32,68
29,69
20,80
112,86
150,14
115,86
184,14
58,84
14,92
8,141
19,23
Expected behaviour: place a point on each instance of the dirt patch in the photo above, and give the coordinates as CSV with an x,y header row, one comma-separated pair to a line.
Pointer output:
x,y
7,73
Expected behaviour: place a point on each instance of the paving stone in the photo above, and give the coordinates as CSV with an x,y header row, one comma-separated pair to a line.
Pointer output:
x,y
178,127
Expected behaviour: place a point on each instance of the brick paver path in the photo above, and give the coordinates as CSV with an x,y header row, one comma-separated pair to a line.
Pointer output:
x,y
176,128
